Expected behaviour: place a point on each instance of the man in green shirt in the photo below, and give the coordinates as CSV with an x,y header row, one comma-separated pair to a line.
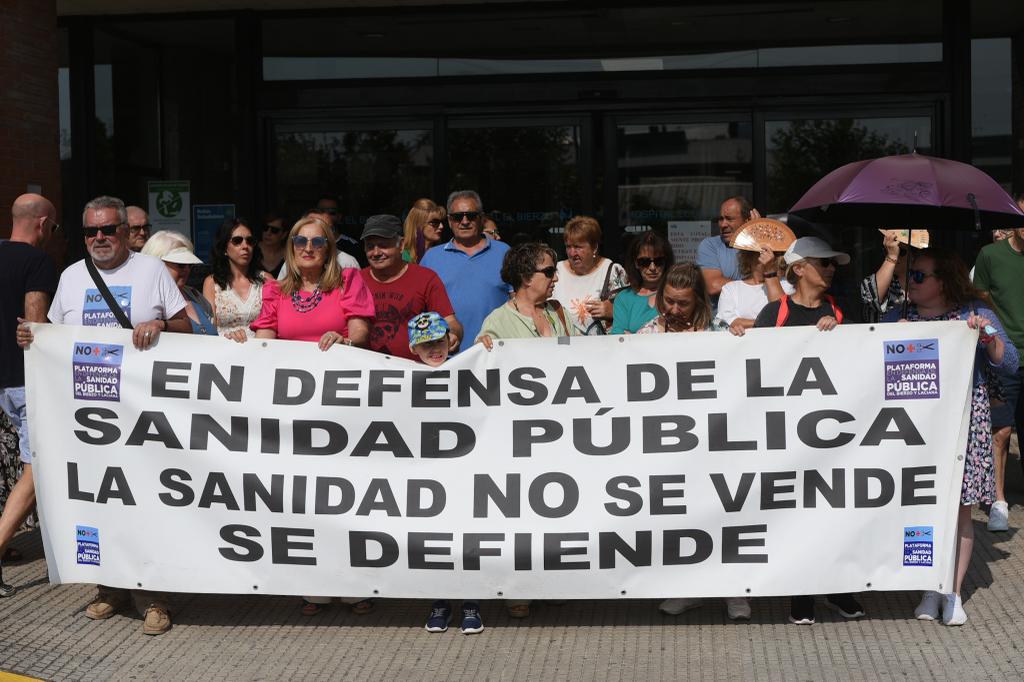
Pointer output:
x,y
999,270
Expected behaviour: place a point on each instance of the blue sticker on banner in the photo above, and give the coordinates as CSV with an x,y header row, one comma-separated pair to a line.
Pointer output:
x,y
88,539
97,371
911,369
917,545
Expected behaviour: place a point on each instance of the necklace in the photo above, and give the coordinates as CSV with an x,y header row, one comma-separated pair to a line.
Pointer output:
x,y
304,305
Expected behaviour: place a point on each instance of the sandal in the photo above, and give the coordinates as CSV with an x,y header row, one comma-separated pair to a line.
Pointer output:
x,y
363,607
311,609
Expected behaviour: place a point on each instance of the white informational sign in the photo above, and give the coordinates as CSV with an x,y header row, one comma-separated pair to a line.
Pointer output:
x,y
686,235
170,206
788,461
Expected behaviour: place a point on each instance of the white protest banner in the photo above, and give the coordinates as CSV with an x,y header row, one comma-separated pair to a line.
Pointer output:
x,y
789,461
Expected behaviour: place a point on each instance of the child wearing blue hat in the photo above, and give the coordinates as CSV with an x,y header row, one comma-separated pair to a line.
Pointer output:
x,y
428,340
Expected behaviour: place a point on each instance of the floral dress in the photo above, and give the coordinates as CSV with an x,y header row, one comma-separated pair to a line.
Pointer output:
x,y
979,484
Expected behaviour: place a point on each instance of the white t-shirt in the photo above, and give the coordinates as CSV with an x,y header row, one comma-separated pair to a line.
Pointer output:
x,y
741,300
573,291
345,261
141,286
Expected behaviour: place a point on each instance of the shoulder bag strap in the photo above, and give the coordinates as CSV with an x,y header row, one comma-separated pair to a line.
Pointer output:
x,y
561,314
107,296
607,281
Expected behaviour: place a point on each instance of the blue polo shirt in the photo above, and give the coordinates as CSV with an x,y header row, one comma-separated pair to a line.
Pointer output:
x,y
716,254
473,282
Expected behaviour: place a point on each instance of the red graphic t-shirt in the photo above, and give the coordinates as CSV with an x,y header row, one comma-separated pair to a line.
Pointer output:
x,y
418,290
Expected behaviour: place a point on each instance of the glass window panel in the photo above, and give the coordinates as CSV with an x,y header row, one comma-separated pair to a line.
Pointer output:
x,y
801,152
527,176
373,171
991,108
676,175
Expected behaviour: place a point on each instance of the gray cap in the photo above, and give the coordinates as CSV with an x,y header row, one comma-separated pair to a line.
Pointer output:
x,y
382,225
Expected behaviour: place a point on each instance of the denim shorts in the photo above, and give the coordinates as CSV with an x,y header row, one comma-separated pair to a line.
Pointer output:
x,y
1003,412
12,401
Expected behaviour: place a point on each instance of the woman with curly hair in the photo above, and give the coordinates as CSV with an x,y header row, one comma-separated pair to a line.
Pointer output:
x,y
235,288
531,272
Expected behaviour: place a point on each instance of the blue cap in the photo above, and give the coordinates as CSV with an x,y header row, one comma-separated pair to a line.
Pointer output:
x,y
426,327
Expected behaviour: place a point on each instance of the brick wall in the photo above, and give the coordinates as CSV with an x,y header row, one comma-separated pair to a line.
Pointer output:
x,y
29,124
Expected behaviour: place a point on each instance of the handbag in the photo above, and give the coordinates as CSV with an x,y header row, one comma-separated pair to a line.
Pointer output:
x,y
606,295
107,296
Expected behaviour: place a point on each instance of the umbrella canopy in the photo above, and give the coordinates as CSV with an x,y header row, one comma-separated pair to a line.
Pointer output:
x,y
910,191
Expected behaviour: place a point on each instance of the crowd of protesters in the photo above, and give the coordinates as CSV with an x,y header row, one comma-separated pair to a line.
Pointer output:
x,y
403,289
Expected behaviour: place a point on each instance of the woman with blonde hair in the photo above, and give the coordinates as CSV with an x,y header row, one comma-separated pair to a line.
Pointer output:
x,y
317,300
423,228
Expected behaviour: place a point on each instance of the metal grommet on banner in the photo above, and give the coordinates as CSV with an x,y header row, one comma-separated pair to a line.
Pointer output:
x,y
869,585
500,593
623,593
871,328
622,339
255,587
264,344
501,343
376,591
748,590
959,457
139,584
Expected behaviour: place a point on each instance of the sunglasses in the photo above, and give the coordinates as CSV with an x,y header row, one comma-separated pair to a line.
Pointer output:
x,y
238,239
548,272
825,262
316,243
471,216
644,263
137,228
273,229
919,276
434,222
107,230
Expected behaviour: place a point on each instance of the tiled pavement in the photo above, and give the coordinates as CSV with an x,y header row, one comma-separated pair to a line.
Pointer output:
x,y
43,633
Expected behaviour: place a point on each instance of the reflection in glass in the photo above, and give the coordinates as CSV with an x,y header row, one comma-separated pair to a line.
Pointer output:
x,y
991,108
801,152
527,176
680,173
373,171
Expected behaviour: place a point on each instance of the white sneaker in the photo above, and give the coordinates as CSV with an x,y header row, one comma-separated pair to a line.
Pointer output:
x,y
999,516
674,607
953,610
929,607
738,608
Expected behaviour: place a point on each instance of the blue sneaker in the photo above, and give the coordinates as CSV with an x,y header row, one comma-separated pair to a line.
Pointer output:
x,y
471,621
440,616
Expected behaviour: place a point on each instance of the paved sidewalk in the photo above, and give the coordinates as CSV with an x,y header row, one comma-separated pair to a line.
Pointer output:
x,y
43,633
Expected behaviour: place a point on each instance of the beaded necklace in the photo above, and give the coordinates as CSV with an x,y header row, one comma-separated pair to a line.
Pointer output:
x,y
304,305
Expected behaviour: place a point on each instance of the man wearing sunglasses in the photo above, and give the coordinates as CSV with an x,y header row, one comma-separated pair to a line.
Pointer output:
x,y
329,206
138,228
28,279
470,264
142,288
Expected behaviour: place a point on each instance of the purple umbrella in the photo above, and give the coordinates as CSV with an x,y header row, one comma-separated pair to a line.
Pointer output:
x,y
910,191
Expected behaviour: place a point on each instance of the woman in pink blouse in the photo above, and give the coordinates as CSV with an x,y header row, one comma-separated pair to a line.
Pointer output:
x,y
318,301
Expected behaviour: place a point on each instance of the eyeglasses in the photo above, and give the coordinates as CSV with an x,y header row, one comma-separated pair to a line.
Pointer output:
x,y
139,228
56,225
273,229
238,239
644,263
548,272
90,232
316,243
493,234
919,276
434,222
471,216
